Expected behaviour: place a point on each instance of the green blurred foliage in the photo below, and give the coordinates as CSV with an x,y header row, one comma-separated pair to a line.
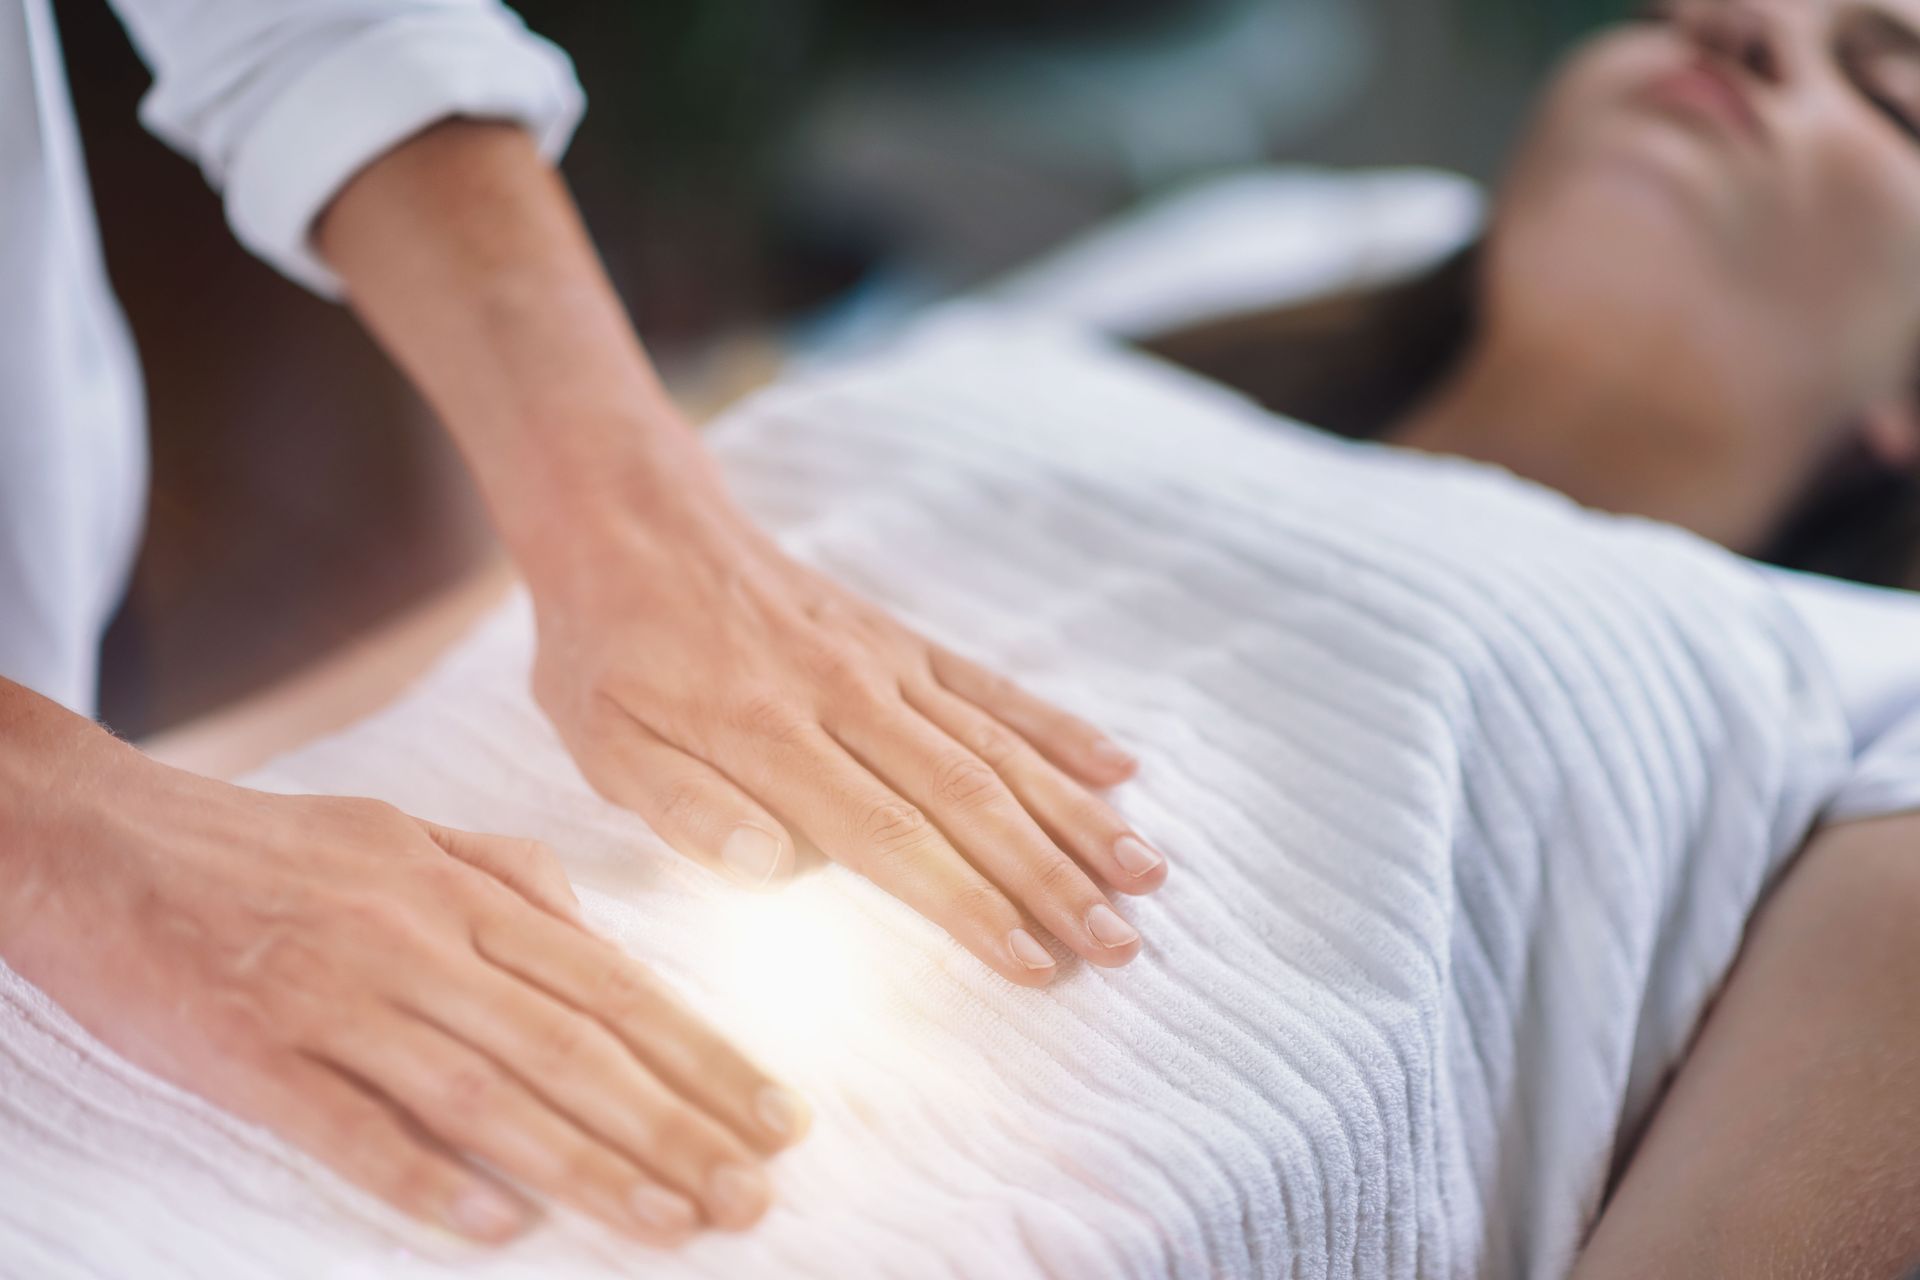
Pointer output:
x,y
697,90
690,88
1542,28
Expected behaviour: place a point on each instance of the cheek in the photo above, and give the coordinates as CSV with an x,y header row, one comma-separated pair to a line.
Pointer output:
x,y
1857,247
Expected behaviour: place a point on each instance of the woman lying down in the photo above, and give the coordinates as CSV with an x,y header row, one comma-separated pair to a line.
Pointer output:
x,y
1542,880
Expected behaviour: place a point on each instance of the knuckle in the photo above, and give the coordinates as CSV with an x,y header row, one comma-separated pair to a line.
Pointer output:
x,y
835,663
978,900
564,1045
235,1030
467,1093
409,1180
771,718
382,818
581,1164
993,686
1087,815
685,802
678,1130
623,992
533,855
684,1058
447,880
1057,878
894,826
964,780
991,743
363,1133
372,917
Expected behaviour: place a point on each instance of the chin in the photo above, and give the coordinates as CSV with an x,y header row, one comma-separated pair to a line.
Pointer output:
x,y
1638,203
1613,257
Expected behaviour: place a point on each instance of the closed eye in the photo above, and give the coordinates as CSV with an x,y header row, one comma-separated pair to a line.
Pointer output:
x,y
1906,119
1882,59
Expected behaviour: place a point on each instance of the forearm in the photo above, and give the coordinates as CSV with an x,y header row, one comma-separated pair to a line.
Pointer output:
x,y
53,766
699,675
463,252
1789,1144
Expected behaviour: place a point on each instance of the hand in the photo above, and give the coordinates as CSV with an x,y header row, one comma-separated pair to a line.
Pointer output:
x,y
732,698
736,700
396,998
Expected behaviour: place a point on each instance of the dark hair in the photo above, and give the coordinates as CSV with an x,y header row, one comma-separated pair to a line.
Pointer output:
x,y
1355,363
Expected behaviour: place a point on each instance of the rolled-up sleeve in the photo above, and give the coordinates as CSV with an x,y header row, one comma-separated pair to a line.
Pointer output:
x,y
283,101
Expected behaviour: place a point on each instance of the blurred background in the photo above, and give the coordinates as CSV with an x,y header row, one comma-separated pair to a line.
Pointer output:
x,y
762,176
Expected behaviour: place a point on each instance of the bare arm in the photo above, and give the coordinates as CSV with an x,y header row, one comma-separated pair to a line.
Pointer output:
x,y
736,700
1789,1145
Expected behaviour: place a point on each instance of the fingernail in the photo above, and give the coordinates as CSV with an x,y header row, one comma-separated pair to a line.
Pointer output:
x,y
782,1112
662,1210
738,1194
1105,924
483,1213
1028,951
1113,755
1135,856
752,855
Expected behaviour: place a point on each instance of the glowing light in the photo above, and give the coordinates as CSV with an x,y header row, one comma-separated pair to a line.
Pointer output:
x,y
792,975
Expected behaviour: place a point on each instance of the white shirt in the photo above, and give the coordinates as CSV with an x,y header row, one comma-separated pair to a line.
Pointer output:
x,y
280,102
1871,640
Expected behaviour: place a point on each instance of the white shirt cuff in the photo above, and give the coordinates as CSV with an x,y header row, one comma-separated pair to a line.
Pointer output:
x,y
372,93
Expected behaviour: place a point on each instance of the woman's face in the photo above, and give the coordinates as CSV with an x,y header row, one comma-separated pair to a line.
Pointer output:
x,y
1738,180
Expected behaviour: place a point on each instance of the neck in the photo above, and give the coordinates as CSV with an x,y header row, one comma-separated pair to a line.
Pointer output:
x,y
1635,428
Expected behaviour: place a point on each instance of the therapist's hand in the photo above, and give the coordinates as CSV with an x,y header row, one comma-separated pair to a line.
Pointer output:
x,y
742,703
398,999
738,701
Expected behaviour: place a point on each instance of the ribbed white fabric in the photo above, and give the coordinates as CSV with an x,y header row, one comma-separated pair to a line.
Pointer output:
x,y
1468,796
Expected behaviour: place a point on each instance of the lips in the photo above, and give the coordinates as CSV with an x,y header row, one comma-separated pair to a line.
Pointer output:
x,y
1704,90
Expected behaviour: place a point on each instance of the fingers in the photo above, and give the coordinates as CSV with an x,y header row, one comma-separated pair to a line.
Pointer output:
x,y
466,1100
987,823
1078,821
690,805
366,1140
598,981
527,867
861,823
582,1071
1068,741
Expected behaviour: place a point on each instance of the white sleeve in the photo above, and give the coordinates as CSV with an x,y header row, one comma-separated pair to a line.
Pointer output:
x,y
1885,778
282,101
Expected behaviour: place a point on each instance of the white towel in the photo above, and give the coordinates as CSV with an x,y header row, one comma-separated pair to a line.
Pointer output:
x,y
1468,795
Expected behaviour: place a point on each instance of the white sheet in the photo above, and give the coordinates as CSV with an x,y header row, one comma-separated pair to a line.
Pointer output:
x,y
1262,238
1468,795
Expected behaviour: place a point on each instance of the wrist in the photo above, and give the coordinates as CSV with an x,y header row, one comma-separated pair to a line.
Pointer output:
x,y
61,778
605,487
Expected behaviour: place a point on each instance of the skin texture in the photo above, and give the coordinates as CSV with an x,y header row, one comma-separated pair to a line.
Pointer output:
x,y
748,708
1683,316
399,999
395,997
1786,1149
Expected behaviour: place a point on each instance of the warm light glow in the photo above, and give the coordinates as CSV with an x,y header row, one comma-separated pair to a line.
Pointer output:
x,y
789,973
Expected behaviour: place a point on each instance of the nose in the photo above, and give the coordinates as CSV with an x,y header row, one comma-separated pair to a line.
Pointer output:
x,y
1736,31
